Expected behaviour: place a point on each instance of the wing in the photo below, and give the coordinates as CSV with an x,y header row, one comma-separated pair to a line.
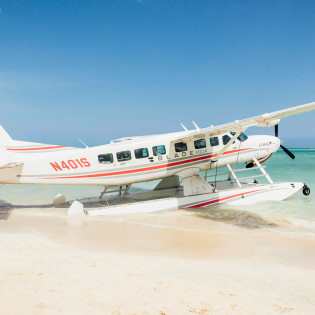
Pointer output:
x,y
265,120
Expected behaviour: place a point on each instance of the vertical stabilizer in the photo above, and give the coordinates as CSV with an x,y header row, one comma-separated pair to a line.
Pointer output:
x,y
5,139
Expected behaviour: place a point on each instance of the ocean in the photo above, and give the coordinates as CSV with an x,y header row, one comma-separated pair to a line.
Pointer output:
x,y
295,215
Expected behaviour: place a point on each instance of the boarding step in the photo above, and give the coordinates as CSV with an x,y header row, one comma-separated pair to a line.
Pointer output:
x,y
121,190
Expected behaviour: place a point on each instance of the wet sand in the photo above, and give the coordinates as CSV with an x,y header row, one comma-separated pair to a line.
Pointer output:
x,y
166,263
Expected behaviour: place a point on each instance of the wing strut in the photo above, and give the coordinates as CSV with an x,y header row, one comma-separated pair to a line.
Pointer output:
x,y
226,147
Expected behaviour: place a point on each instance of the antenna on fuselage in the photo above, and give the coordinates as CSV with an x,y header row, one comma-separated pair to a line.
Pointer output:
x,y
197,127
184,127
83,143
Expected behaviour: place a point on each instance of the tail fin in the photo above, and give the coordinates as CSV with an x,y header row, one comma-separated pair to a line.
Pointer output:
x,y
5,139
23,150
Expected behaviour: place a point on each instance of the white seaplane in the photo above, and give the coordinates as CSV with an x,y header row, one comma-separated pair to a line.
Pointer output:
x,y
169,157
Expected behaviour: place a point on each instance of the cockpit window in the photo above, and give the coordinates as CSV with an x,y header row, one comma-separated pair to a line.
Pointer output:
x,y
226,139
242,137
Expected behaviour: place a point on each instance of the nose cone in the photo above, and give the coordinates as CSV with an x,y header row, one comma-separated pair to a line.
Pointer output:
x,y
270,143
276,142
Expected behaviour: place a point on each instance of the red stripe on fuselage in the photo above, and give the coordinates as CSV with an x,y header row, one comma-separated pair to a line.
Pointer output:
x,y
41,148
144,169
222,199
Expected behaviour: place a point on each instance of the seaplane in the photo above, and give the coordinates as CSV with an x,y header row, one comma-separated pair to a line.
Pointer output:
x,y
177,160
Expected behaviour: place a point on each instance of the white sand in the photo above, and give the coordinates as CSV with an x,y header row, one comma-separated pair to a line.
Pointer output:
x,y
154,264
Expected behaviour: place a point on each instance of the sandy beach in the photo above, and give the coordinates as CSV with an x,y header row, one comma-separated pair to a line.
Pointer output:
x,y
157,157
166,263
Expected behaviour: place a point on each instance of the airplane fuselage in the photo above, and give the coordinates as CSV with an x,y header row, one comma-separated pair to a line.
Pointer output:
x,y
129,161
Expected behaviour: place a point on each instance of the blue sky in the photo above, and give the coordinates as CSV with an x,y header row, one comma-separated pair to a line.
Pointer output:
x,y
99,70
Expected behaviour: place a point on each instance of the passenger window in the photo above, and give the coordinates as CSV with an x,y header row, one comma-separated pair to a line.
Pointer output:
x,y
123,156
180,146
214,141
200,144
159,150
141,153
226,139
105,158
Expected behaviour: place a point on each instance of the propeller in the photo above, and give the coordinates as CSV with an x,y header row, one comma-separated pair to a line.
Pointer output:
x,y
289,153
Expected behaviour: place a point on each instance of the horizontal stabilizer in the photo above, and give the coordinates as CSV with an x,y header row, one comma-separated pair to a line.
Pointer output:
x,y
9,165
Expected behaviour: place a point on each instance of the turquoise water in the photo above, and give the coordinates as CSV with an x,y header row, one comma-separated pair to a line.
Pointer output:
x,y
297,212
302,169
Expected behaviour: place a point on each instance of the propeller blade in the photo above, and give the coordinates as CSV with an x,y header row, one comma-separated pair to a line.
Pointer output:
x,y
289,153
276,130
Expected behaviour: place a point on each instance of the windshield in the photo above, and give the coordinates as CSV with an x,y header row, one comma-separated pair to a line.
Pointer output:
x,y
242,137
